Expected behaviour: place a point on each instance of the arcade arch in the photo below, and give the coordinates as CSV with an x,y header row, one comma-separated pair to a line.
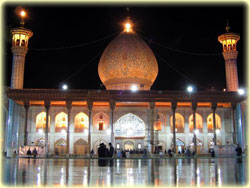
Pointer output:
x,y
61,121
81,122
179,123
198,120
129,125
210,123
41,122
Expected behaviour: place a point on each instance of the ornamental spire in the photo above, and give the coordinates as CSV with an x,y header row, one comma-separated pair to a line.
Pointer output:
x,y
228,27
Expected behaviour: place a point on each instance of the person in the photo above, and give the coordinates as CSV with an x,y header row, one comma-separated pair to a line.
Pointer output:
x,y
188,152
119,153
161,153
15,154
111,150
34,152
169,152
145,152
238,150
29,152
123,154
91,153
102,153
183,150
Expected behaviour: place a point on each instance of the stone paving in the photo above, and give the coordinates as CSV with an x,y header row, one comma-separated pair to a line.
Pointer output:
x,y
125,172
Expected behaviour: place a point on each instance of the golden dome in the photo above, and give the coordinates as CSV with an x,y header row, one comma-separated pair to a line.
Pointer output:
x,y
127,63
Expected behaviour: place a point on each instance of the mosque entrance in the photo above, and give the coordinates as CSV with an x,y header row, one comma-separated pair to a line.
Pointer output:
x,y
80,147
128,145
60,147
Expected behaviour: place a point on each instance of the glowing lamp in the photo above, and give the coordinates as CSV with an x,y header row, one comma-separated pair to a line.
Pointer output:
x,y
241,91
23,13
157,125
134,88
65,87
190,89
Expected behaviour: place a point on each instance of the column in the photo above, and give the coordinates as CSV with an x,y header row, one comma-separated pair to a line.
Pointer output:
x,y
68,105
194,107
151,125
214,106
173,106
111,119
90,106
47,107
234,122
26,106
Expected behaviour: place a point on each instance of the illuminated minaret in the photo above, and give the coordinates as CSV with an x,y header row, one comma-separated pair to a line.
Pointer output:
x,y
20,39
230,53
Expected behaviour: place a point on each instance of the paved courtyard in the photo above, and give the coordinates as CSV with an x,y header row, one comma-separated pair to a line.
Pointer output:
x,y
125,172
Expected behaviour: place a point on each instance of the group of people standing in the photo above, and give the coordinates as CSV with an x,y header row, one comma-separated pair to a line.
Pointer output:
x,y
104,152
34,153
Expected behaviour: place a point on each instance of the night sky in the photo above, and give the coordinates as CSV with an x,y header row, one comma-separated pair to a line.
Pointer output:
x,y
53,58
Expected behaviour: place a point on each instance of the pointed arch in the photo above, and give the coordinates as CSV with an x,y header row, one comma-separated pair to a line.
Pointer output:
x,y
199,121
80,147
210,124
60,146
129,125
179,123
81,122
61,122
41,122
80,142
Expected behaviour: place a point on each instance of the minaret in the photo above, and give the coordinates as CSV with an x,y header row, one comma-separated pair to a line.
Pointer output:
x,y
230,53
20,39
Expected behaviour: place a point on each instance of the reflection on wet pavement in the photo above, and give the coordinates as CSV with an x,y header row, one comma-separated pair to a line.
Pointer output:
x,y
128,172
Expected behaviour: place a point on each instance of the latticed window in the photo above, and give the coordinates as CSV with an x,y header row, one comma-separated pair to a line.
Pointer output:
x,y
129,125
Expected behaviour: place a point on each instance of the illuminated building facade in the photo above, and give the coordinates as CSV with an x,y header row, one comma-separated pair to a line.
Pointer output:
x,y
128,113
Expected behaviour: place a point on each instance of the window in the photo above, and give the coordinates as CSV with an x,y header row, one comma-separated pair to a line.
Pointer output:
x,y
101,125
129,125
139,146
117,146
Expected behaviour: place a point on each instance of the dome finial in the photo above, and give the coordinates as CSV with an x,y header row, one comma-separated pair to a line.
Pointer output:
x,y
228,27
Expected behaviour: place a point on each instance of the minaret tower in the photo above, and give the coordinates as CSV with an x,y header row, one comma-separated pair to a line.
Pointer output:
x,y
20,39
230,53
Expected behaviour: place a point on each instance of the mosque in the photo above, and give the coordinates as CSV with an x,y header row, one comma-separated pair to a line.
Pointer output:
x,y
128,114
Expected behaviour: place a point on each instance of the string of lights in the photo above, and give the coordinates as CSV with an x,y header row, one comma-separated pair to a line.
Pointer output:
x,y
83,67
183,75
180,51
74,46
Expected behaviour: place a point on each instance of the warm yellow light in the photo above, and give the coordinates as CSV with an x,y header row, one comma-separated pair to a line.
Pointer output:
x,y
128,27
23,13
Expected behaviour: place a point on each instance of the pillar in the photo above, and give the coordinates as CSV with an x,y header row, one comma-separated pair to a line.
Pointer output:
x,y
47,107
174,106
194,107
151,124
214,106
68,105
111,120
26,106
90,106
234,123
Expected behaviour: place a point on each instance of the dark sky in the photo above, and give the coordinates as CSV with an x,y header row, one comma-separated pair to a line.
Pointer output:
x,y
192,28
